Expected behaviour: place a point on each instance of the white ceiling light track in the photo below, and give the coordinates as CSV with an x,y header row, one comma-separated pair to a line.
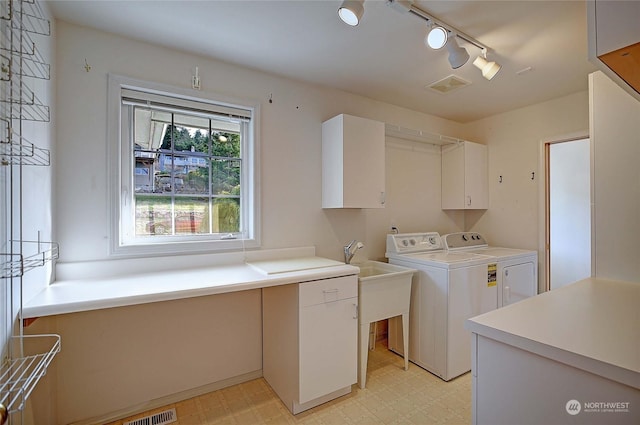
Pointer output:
x,y
408,6
445,35
440,35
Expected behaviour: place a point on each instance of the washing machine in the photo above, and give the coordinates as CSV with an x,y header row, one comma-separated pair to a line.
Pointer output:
x,y
516,270
448,288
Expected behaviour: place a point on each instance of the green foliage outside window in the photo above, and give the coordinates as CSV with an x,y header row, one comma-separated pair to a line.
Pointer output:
x,y
221,151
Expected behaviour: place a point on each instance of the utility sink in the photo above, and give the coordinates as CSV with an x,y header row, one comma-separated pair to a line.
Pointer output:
x,y
384,291
371,269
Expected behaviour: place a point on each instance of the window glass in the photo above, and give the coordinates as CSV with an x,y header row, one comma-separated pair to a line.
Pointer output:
x,y
187,174
186,179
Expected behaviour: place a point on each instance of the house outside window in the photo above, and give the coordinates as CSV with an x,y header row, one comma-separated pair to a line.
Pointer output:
x,y
186,171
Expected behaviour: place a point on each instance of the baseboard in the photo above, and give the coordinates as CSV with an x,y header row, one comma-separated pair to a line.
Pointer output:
x,y
170,399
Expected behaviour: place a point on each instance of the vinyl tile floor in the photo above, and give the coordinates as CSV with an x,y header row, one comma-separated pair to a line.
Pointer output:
x,y
392,396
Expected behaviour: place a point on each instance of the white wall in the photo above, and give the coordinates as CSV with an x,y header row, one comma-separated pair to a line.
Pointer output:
x,y
615,134
121,358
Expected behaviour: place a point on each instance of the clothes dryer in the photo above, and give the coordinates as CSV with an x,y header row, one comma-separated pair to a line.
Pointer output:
x,y
448,288
516,270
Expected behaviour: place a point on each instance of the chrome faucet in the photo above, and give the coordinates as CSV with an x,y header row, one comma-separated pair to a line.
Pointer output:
x,y
350,250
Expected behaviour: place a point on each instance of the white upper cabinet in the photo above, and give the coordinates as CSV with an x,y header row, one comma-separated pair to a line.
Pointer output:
x,y
465,180
615,25
353,165
614,41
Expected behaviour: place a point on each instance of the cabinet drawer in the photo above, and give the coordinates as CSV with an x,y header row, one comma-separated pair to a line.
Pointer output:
x,y
328,290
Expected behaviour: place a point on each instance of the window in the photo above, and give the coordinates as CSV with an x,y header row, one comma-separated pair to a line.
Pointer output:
x,y
187,168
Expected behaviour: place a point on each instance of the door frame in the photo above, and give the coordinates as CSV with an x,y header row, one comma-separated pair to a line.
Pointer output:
x,y
544,242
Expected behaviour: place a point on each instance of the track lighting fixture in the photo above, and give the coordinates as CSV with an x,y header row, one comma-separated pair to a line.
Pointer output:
x,y
437,37
489,69
351,11
442,34
458,56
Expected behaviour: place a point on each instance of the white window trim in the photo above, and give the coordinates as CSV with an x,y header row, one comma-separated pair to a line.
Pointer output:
x,y
118,190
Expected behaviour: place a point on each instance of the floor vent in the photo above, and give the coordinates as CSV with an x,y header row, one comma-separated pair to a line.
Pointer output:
x,y
160,418
448,84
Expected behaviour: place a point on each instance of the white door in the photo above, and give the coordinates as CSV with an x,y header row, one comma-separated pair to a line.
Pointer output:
x,y
569,196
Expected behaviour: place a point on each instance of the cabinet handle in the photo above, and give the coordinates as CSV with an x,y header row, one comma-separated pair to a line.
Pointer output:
x,y
468,201
507,292
383,198
330,295
355,310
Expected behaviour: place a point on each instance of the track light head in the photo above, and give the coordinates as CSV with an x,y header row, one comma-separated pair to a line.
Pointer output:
x,y
458,56
489,69
437,37
351,11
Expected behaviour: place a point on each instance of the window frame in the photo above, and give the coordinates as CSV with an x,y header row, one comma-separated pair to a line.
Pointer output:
x,y
121,164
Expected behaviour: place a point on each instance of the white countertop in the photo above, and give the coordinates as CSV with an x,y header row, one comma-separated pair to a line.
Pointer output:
x,y
593,324
92,293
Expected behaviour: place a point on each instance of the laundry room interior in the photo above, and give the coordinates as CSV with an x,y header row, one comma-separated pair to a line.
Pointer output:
x,y
345,273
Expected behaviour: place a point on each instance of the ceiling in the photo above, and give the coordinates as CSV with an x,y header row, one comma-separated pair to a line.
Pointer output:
x,y
541,45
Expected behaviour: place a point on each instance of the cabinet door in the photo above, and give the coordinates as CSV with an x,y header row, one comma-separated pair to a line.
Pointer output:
x,y
353,163
518,282
364,163
465,182
328,348
453,177
476,176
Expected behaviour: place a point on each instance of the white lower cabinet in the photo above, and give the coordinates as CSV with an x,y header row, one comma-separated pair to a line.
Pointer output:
x,y
310,340
512,385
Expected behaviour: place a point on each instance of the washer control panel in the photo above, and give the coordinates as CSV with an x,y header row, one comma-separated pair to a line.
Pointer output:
x,y
462,240
403,243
